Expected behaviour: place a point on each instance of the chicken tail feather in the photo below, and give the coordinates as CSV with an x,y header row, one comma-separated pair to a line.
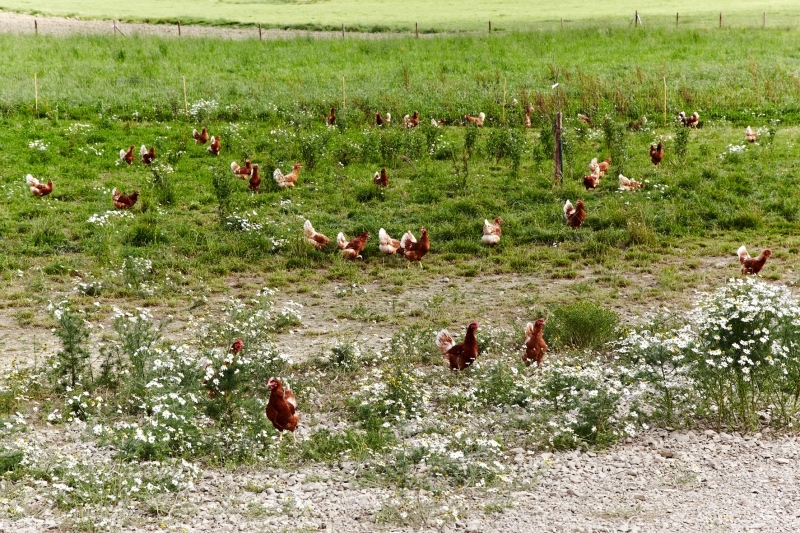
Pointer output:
x,y
742,253
341,241
444,341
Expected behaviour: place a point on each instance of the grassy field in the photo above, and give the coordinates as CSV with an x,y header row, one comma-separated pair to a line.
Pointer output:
x,y
103,279
383,15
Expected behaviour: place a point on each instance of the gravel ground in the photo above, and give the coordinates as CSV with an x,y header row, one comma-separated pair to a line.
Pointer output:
x,y
660,481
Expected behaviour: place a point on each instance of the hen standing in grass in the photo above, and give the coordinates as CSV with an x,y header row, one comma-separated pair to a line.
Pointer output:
x,y
314,238
282,408
290,179
574,215
124,201
39,189
413,250
412,122
626,184
478,121
255,180
332,117
381,179
386,244
215,145
147,155
657,153
535,347
352,249
492,231
200,137
127,156
460,355
242,171
749,264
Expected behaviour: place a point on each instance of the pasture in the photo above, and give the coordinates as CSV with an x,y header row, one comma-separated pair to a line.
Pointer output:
x,y
398,15
124,318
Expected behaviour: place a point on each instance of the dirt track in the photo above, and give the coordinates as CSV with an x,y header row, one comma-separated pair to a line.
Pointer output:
x,y
60,26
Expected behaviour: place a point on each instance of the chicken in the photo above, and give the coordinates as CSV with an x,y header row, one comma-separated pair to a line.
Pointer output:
x,y
585,119
412,122
492,231
124,201
381,178
413,250
535,347
690,121
591,181
315,239
290,179
657,153
237,346
215,146
750,265
435,124
574,215
352,249
39,189
200,137
127,156
242,171
386,244
378,118
478,121
626,184
460,355
255,180
527,120
750,135
147,155
332,117
282,408
599,169
638,124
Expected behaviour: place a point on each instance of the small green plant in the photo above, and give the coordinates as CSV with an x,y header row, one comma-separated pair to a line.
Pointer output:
x,y
71,366
581,325
162,182
223,190
616,143
681,143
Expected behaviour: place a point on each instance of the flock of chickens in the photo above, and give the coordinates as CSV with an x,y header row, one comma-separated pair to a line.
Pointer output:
x,y
281,408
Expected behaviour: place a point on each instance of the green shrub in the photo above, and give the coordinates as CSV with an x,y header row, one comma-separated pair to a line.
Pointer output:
x,y
581,325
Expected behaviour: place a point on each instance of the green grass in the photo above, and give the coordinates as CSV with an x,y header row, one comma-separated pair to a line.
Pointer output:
x,y
383,15
270,98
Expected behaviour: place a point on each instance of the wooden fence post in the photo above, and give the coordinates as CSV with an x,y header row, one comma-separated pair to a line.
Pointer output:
x,y
185,99
416,29
562,23
505,81
676,19
342,30
36,26
720,19
764,24
558,153
665,101
636,19
36,93
259,32
490,26
179,28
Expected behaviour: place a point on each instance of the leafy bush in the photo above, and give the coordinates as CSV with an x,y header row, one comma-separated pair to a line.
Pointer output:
x,y
71,365
581,404
736,361
581,325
